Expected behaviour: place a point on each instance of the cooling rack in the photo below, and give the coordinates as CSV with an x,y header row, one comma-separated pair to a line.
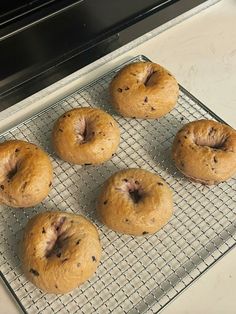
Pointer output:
x,y
136,274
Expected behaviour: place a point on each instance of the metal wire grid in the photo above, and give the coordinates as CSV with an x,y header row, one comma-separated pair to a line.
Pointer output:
x,y
135,272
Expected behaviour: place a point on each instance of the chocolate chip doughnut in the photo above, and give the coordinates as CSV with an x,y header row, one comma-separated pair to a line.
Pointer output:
x,y
144,90
25,174
135,201
59,251
205,151
85,136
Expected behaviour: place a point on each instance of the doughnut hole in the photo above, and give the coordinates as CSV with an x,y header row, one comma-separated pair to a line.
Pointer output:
x,y
133,190
150,77
12,172
83,131
9,170
212,140
57,241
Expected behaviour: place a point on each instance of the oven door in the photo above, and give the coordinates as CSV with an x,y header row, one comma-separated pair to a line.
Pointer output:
x,y
42,41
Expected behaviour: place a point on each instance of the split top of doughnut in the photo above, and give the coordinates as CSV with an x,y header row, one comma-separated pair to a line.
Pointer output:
x,y
135,201
25,174
85,136
59,251
205,151
144,90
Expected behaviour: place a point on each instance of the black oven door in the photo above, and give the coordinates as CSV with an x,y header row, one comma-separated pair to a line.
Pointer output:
x,y
44,40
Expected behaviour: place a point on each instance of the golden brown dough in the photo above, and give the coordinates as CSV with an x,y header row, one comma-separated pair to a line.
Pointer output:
x,y
135,201
59,251
205,151
85,136
144,90
25,174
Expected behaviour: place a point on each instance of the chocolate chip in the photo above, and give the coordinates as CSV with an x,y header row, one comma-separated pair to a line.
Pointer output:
x,y
146,116
126,88
60,130
34,272
56,286
68,115
87,164
64,116
185,136
215,160
145,232
111,123
159,183
105,202
136,182
94,259
133,117
102,148
179,141
133,74
113,155
59,254
127,220
78,241
17,150
153,109
119,90
169,74
50,184
64,260
2,187
146,99
78,264
43,231
126,180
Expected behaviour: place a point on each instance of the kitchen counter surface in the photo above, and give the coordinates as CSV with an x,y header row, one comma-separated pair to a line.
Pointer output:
x,y
201,53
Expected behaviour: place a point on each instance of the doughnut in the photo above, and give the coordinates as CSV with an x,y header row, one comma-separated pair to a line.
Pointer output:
x,y
25,174
135,202
59,251
144,90
205,151
85,136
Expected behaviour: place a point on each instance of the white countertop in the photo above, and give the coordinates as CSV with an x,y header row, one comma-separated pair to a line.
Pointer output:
x,y
201,53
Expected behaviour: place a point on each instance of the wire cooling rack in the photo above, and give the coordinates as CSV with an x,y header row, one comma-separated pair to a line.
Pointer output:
x,y
136,274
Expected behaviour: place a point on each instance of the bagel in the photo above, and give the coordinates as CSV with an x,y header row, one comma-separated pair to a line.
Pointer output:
x,y
59,251
205,151
135,202
85,136
144,90
25,174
